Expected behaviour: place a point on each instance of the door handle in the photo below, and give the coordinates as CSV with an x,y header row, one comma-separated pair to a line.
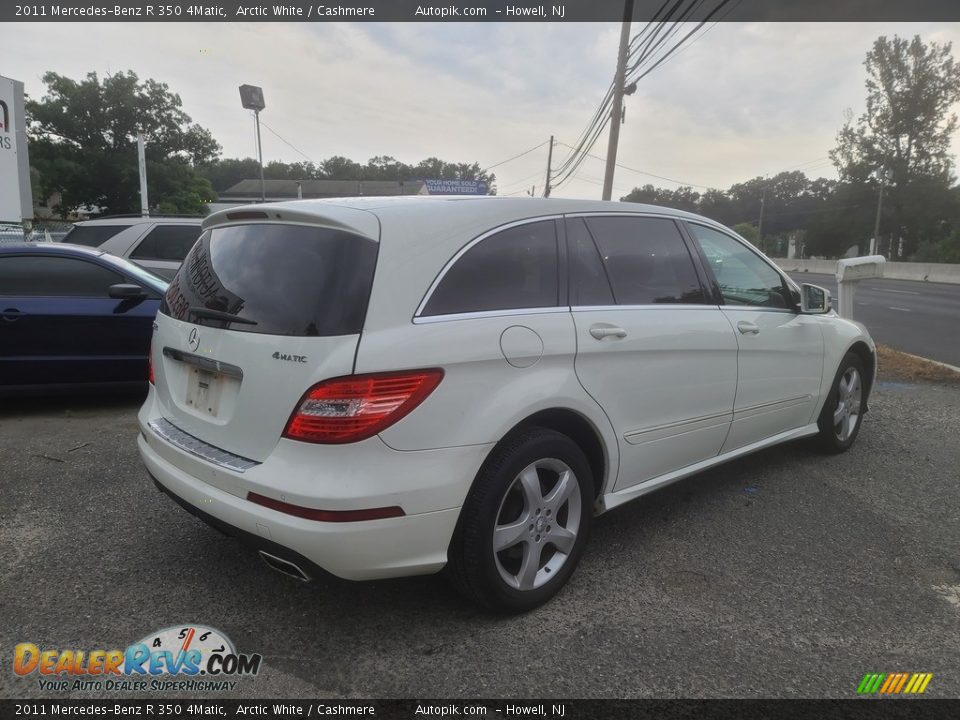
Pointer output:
x,y
604,331
746,327
11,314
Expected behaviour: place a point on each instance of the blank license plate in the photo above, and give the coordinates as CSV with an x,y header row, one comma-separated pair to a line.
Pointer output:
x,y
203,391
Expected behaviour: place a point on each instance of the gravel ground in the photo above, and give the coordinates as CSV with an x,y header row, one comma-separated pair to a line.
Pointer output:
x,y
785,574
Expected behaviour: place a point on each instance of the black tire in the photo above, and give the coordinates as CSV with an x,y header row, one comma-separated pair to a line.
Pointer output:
x,y
832,438
476,569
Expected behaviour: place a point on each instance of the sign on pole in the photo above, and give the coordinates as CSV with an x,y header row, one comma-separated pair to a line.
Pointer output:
x,y
456,187
16,198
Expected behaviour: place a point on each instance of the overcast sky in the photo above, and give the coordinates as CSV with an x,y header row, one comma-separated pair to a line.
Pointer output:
x,y
741,101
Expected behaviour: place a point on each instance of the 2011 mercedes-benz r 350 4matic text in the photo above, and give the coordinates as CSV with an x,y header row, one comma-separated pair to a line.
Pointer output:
x,y
384,387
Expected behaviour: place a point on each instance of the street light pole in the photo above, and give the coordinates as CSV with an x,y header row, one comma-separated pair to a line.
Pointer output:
x,y
616,112
251,97
263,191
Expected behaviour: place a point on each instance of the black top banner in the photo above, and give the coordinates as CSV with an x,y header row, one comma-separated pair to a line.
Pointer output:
x,y
442,709
478,11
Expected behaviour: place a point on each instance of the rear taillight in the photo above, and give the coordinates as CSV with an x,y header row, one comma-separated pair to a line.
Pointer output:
x,y
150,364
356,407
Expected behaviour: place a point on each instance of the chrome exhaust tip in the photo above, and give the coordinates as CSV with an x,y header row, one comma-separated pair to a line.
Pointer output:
x,y
284,566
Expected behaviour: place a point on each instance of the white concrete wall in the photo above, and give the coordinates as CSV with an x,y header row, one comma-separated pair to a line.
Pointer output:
x,y
929,272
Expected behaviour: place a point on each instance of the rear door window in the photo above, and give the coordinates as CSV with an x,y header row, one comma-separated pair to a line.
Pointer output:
x,y
589,284
92,235
646,260
50,276
284,279
167,242
513,269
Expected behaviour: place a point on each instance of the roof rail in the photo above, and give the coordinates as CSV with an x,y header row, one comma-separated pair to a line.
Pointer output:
x,y
145,217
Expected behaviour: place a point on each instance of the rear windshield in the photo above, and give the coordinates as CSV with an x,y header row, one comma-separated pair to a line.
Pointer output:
x,y
92,235
286,279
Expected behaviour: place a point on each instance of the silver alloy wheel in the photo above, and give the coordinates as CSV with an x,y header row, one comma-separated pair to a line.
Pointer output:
x,y
847,413
537,523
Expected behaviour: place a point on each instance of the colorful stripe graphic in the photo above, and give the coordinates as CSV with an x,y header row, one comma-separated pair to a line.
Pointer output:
x,y
894,683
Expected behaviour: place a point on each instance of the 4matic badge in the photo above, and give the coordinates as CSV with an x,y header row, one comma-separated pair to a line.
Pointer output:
x,y
289,358
171,659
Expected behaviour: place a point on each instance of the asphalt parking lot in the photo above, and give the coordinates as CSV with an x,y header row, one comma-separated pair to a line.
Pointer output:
x,y
786,574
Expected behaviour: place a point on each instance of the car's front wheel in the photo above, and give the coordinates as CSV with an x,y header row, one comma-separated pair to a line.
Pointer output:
x,y
842,413
524,525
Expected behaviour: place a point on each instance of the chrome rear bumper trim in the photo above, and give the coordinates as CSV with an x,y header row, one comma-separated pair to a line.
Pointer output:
x,y
188,443
204,363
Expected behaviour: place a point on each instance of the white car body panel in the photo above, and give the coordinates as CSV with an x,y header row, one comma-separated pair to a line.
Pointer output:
x,y
779,370
668,385
683,391
136,229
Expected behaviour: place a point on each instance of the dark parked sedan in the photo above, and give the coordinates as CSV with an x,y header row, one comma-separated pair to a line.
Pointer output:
x,y
72,317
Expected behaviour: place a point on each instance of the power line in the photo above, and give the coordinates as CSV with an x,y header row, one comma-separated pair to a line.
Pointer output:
x,y
652,44
538,173
287,142
712,26
643,172
643,47
525,152
800,165
594,181
683,40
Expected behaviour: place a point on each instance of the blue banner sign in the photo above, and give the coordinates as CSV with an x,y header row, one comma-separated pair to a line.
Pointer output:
x,y
456,187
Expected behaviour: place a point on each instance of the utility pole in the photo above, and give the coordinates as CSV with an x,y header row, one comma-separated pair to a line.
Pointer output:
x,y
546,192
875,242
142,161
617,112
763,202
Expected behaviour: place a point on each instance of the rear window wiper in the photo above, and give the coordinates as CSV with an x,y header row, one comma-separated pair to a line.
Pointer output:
x,y
202,312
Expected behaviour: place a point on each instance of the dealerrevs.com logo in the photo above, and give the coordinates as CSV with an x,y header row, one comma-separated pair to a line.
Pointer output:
x,y
186,658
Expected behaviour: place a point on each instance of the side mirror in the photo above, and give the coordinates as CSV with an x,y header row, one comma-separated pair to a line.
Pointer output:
x,y
814,300
126,291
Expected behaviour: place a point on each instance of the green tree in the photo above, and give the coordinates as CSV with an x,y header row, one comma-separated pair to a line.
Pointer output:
x,y
226,173
748,232
83,144
683,198
341,168
903,137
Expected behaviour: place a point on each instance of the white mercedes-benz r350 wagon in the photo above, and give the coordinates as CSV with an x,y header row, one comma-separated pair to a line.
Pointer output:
x,y
382,387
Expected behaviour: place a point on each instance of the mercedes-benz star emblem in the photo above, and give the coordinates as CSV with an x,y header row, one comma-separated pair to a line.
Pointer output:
x,y
194,340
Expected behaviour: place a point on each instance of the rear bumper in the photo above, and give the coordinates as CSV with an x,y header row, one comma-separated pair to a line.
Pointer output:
x,y
310,568
392,547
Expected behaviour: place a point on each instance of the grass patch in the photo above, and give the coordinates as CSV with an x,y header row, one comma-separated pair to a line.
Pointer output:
x,y
896,365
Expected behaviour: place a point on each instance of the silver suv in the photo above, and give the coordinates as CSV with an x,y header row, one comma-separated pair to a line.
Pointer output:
x,y
156,243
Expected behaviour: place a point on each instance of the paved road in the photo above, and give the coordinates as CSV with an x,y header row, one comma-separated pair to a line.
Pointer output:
x,y
786,574
915,317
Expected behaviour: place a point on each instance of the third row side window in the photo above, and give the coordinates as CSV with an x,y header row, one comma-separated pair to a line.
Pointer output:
x,y
513,269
